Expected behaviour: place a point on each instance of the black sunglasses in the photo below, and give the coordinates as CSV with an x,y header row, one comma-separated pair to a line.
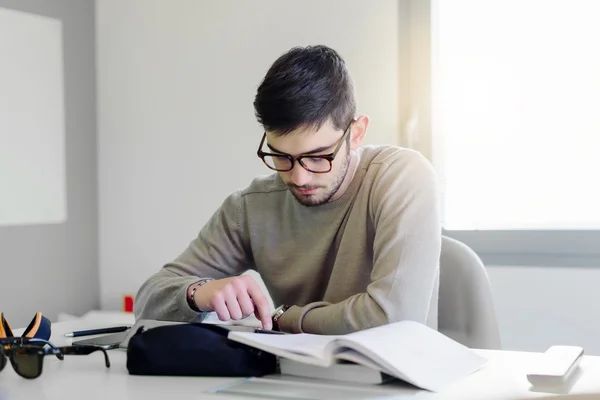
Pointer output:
x,y
27,354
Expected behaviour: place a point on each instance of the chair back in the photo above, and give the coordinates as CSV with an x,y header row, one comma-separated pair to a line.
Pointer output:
x,y
466,310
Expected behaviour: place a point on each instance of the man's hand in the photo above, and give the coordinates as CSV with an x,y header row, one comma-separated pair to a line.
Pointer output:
x,y
234,298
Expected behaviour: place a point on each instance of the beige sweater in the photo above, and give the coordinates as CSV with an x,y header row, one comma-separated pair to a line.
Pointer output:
x,y
369,258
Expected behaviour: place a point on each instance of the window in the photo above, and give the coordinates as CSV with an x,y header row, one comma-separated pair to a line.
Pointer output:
x,y
515,126
32,127
518,103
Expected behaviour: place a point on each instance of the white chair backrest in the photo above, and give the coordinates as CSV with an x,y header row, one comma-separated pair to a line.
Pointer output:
x,y
466,310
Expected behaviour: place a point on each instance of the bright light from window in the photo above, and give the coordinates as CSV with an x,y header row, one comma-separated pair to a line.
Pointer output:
x,y
517,103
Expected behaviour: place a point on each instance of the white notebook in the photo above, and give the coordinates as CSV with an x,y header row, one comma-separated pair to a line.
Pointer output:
x,y
407,350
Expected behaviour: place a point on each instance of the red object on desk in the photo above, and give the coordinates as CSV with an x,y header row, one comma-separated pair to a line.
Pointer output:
x,y
128,303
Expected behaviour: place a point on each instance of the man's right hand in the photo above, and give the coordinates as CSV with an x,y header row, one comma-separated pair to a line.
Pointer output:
x,y
234,298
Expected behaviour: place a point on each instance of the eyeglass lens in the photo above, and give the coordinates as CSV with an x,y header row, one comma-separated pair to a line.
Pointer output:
x,y
283,163
27,362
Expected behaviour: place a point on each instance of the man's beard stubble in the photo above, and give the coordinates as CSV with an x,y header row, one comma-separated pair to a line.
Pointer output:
x,y
309,200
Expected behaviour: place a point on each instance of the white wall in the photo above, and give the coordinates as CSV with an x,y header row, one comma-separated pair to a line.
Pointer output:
x,y
542,306
176,126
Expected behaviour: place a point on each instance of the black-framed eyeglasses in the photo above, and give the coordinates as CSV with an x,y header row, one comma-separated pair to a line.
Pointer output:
x,y
318,164
26,355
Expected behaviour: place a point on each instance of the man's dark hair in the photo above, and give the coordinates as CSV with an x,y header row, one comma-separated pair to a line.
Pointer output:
x,y
304,88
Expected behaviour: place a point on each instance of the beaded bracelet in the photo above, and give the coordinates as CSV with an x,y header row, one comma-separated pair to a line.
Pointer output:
x,y
198,284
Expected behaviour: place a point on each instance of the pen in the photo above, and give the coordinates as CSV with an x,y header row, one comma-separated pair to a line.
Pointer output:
x,y
97,331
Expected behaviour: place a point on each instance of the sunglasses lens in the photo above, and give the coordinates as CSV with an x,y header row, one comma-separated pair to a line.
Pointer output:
x,y
2,360
27,363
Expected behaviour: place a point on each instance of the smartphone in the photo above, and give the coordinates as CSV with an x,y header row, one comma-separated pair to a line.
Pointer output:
x,y
107,342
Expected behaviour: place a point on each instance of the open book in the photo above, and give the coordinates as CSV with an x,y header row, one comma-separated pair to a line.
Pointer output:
x,y
406,350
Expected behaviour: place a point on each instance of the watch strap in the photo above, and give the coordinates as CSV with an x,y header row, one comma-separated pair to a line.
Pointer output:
x,y
277,314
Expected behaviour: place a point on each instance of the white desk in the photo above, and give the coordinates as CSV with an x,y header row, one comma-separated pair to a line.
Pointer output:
x,y
86,377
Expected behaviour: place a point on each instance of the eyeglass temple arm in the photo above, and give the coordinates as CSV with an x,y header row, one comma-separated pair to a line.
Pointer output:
x,y
85,350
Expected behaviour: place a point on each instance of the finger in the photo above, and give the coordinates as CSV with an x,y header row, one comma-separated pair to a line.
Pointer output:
x,y
246,304
264,325
231,301
218,304
261,306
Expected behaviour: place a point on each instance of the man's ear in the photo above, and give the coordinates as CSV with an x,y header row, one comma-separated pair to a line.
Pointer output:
x,y
359,129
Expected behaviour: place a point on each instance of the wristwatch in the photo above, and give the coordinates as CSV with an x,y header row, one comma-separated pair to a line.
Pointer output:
x,y
279,311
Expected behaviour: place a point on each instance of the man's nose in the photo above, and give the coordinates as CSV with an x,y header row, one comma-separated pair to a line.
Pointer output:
x,y
299,176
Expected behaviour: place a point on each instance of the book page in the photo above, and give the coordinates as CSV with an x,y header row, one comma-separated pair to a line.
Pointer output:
x,y
358,358
416,353
308,348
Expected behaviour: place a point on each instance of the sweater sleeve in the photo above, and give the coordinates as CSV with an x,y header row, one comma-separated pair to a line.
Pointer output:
x,y
406,249
219,251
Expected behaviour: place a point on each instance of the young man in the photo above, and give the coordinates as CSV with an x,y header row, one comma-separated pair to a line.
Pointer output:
x,y
345,237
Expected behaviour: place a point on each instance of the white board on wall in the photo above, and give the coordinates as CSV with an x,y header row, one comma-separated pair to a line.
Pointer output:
x,y
32,122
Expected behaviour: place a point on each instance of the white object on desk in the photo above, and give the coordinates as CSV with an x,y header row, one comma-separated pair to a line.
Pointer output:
x,y
555,366
299,389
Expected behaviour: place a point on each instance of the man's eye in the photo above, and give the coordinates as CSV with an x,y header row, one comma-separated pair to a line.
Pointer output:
x,y
316,159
